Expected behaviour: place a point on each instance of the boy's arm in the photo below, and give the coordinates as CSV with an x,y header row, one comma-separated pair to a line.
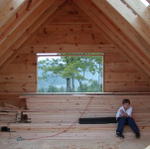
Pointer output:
x,y
128,113
118,113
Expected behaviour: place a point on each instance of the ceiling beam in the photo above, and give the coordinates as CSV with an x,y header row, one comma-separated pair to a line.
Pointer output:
x,y
8,9
130,16
28,32
14,19
24,25
141,10
114,33
139,47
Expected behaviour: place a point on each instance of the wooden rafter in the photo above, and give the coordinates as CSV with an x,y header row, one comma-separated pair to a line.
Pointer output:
x,y
142,11
139,47
7,9
134,43
28,32
138,25
119,20
14,19
16,24
22,28
115,34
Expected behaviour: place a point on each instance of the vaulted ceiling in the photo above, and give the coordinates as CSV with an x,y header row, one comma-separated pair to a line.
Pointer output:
x,y
125,22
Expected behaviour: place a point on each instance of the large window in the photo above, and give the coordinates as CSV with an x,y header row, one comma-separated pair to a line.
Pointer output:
x,y
65,72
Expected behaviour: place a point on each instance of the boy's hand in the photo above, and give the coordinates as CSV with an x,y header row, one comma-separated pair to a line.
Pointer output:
x,y
124,114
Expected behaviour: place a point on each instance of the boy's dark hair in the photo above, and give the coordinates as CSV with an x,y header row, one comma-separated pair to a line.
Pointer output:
x,y
126,101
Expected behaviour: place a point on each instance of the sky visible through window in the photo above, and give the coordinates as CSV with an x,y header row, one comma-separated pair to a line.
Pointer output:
x,y
77,72
145,2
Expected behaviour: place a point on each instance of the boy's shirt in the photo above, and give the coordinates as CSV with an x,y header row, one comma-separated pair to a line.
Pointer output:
x,y
128,111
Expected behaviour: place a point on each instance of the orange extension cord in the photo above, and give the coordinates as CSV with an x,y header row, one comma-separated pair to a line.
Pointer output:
x,y
61,132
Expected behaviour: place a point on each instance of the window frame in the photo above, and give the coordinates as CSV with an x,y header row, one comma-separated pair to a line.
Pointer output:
x,y
72,54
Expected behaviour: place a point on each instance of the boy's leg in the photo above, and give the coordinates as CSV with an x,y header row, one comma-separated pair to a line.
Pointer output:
x,y
133,125
121,124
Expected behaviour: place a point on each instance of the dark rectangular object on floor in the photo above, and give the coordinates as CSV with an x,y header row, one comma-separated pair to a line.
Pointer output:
x,y
97,120
5,129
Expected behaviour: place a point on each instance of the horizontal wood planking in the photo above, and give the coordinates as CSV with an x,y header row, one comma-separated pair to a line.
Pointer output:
x,y
17,23
87,140
68,129
139,47
120,74
68,108
51,128
12,99
12,50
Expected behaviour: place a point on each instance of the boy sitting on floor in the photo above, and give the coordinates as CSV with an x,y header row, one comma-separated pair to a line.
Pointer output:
x,y
123,117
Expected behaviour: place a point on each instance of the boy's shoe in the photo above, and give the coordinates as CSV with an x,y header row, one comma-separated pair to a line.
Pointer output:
x,y
120,135
137,135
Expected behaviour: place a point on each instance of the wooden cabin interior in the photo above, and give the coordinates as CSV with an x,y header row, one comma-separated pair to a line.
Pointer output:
x,y
117,29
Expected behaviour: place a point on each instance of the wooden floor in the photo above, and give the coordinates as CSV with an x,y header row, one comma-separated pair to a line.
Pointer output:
x,y
52,136
54,123
102,141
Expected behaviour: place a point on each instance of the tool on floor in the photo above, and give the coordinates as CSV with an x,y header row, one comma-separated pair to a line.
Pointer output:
x,y
23,118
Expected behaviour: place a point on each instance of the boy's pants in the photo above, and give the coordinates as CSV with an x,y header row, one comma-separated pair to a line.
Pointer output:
x,y
122,121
